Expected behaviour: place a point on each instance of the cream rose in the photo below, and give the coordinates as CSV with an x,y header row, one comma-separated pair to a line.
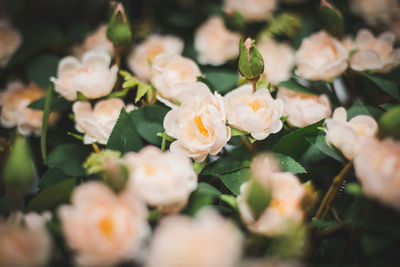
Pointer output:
x,y
15,112
375,54
10,41
101,227
375,12
173,77
377,166
347,135
142,56
252,10
163,179
304,109
97,123
255,113
321,57
284,209
24,241
96,41
215,43
198,124
209,240
278,60
92,76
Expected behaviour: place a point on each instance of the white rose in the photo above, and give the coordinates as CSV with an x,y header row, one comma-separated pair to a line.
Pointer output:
x,y
321,57
101,227
278,60
252,10
97,123
173,76
96,41
198,124
92,76
215,43
347,135
375,54
163,180
15,112
304,109
208,240
10,41
255,113
142,56
377,166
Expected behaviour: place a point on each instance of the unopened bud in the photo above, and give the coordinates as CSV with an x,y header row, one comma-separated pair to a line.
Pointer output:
x,y
251,62
119,29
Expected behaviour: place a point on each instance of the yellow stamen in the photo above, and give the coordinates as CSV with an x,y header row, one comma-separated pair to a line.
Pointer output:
x,y
106,226
200,126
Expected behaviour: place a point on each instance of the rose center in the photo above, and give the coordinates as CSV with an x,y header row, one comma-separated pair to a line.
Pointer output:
x,y
106,226
200,126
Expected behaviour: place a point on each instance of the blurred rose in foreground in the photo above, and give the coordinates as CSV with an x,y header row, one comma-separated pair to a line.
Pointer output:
x,y
95,41
173,76
304,109
209,240
142,56
252,10
15,112
215,43
347,135
377,166
10,41
321,57
375,12
375,54
198,124
92,76
24,240
278,60
163,179
101,227
255,113
97,123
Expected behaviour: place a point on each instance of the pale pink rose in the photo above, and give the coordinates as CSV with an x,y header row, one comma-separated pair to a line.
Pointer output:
x,y
101,227
143,55
97,123
92,76
284,209
255,113
215,43
162,179
10,41
24,241
252,10
321,57
304,109
347,135
375,54
96,41
173,77
209,240
278,60
15,112
198,124
377,166
375,12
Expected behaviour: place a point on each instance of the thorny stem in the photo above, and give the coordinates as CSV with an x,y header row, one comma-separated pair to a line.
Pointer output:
x,y
333,190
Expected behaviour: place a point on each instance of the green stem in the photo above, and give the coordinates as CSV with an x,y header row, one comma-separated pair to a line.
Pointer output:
x,y
164,141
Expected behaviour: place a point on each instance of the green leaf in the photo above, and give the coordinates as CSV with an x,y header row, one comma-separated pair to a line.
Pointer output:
x,y
295,86
389,124
288,164
199,166
124,136
332,18
320,143
81,97
42,68
51,177
52,196
221,80
258,198
69,158
359,108
58,104
234,180
389,87
149,121
327,225
236,132
204,195
143,88
294,144
238,159
45,121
